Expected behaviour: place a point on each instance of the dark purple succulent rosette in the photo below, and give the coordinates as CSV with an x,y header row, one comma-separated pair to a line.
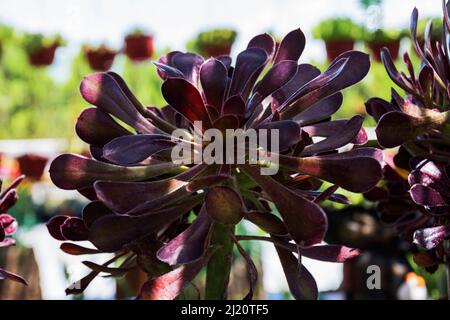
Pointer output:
x,y
8,225
142,200
419,121
419,124
430,189
395,207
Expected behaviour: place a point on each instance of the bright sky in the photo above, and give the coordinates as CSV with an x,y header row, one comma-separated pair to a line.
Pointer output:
x,y
173,22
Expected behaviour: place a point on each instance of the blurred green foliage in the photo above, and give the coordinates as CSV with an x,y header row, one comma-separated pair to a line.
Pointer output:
x,y
31,104
341,28
211,38
383,35
436,31
32,42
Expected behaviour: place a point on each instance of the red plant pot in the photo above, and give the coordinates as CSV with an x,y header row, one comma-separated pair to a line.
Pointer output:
x,y
215,50
336,47
139,47
43,57
100,60
393,47
32,165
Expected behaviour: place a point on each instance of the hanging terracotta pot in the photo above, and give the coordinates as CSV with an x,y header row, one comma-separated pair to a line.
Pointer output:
x,y
215,50
32,165
215,42
392,45
139,47
336,47
43,56
101,58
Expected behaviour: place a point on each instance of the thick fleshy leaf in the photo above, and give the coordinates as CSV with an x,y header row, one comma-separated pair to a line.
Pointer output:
x,y
320,196
322,252
112,232
170,285
212,112
70,171
348,133
348,69
377,107
428,174
123,85
79,286
249,64
135,148
168,71
189,64
206,182
94,210
122,196
301,283
310,88
214,78
407,127
97,127
88,193
113,271
189,245
426,196
54,227
288,130
330,253
76,250
304,74
166,68
398,78
267,221
184,97
74,229
352,170
321,110
305,220
291,46
13,185
275,78
102,90
8,199
329,128
164,201
234,105
224,205
12,276
226,60
431,237
263,41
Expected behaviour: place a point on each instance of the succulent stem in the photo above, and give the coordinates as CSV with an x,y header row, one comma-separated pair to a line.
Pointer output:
x,y
219,265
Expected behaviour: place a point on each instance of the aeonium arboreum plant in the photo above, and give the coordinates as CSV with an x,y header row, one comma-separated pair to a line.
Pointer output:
x,y
8,225
419,124
172,219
